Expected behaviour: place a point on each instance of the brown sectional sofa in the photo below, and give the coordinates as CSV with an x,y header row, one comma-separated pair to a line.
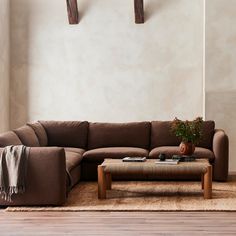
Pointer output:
x,y
64,152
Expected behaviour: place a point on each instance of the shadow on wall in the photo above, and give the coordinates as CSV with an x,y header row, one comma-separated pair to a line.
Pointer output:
x,y
152,7
83,7
220,107
19,62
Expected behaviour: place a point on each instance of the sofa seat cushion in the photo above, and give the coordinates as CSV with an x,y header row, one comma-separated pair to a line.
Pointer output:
x,y
73,178
173,150
73,158
99,154
76,150
73,165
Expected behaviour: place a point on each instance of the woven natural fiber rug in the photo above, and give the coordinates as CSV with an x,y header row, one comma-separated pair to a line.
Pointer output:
x,y
146,196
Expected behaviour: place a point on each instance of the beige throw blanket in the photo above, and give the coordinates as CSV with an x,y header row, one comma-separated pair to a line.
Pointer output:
x,y
13,166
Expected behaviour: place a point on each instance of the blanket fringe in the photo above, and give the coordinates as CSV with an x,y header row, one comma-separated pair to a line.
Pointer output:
x,y
9,191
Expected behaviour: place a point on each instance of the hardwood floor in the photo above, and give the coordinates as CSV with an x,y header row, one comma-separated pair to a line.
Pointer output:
x,y
118,223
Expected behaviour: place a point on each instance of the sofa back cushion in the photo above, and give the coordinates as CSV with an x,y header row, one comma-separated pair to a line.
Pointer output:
x,y
207,134
135,134
161,134
27,136
66,133
9,138
40,133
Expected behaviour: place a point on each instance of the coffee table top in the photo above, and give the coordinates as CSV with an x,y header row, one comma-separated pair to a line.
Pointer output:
x,y
117,166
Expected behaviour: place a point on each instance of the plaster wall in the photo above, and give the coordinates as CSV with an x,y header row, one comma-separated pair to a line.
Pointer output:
x,y
221,69
4,65
106,68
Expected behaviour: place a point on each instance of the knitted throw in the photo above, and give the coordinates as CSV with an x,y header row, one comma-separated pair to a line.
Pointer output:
x,y
13,166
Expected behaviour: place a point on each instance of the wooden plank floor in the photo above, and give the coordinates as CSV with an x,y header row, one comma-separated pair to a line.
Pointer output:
x,y
118,223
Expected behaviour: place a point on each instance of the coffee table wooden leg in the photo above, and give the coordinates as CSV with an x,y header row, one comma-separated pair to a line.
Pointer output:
x,y
108,180
101,183
202,181
208,183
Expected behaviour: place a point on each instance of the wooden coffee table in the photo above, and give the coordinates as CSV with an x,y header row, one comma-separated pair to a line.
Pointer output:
x,y
109,167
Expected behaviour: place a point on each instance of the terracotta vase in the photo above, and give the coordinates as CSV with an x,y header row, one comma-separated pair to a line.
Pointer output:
x,y
186,148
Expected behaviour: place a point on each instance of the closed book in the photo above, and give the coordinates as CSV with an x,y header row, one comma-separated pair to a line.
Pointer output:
x,y
134,159
168,162
184,158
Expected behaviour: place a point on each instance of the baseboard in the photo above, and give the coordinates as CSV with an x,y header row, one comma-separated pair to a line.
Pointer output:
x,y
232,173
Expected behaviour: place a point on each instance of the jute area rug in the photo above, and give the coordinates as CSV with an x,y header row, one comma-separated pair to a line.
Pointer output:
x,y
146,196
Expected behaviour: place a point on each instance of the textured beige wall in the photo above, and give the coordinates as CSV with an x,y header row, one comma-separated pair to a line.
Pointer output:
x,y
221,68
106,68
4,65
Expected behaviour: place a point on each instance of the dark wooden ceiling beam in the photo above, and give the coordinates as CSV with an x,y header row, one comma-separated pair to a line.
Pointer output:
x,y
72,10
73,13
139,11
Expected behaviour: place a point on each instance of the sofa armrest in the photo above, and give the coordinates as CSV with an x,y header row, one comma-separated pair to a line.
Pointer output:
x,y
221,152
46,178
